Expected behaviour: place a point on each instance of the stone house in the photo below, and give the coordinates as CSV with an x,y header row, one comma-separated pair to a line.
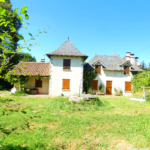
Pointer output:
x,y
64,73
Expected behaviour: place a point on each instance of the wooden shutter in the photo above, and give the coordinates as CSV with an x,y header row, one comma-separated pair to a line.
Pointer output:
x,y
109,87
38,83
127,86
66,84
94,84
98,69
126,69
66,64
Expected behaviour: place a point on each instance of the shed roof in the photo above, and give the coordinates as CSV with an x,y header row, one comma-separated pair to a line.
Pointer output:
x,y
31,69
67,49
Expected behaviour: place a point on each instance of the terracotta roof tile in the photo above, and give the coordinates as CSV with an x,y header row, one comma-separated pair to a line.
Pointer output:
x,y
31,68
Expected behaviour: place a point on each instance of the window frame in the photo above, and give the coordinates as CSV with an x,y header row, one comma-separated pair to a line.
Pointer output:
x,y
67,67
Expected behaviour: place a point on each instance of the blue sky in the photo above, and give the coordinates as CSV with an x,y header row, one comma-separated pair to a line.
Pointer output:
x,y
93,26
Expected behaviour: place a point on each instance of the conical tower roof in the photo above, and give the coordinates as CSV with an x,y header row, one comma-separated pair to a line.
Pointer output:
x,y
67,49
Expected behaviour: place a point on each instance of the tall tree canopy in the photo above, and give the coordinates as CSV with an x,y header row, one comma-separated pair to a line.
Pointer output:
x,y
16,22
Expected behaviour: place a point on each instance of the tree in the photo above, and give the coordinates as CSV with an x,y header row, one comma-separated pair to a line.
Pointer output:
x,y
16,22
22,57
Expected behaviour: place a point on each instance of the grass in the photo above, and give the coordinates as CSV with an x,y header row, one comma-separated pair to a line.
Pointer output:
x,y
56,124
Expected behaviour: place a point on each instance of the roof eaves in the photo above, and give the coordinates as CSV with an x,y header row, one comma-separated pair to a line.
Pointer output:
x,y
98,61
126,62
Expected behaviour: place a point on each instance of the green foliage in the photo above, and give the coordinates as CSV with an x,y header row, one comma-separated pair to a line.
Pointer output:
x,y
101,88
9,35
148,97
118,92
140,80
90,90
19,93
96,101
88,76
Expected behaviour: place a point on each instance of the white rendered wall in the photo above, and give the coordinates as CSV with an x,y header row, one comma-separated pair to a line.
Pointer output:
x,y
57,74
118,79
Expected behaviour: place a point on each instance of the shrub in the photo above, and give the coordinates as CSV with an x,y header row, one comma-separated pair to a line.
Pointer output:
x,y
118,92
96,101
148,97
101,88
139,80
90,90
19,93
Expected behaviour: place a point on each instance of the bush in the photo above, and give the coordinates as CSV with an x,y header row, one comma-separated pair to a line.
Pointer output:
x,y
101,88
118,92
139,80
90,90
148,97
19,93
96,101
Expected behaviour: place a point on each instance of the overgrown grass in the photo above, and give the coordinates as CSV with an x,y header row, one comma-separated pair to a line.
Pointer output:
x,y
56,123
19,93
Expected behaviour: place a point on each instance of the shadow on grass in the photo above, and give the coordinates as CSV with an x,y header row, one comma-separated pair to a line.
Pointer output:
x,y
5,100
12,147
39,146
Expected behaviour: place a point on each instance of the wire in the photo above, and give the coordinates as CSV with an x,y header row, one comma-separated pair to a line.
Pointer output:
x,y
142,49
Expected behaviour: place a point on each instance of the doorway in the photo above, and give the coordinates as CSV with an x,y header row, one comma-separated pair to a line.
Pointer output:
x,y
109,87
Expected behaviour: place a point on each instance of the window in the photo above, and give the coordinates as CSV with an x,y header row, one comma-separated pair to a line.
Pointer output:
x,y
98,69
66,64
66,84
127,86
94,84
126,69
38,83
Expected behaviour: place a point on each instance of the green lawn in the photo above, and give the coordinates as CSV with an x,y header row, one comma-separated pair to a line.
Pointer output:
x,y
55,123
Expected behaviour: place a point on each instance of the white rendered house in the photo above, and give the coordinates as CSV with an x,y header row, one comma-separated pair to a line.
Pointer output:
x,y
113,72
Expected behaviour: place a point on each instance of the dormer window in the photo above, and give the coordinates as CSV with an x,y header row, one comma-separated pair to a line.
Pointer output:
x,y
98,69
66,64
126,70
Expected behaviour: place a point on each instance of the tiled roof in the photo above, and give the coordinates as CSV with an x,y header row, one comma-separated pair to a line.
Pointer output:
x,y
67,49
112,62
136,68
31,68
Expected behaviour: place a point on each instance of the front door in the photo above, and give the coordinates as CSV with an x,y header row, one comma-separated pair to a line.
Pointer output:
x,y
109,87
